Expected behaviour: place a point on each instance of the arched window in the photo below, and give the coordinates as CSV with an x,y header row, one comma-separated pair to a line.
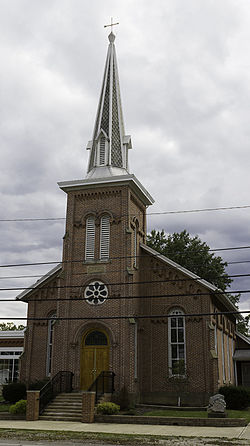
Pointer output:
x,y
90,238
176,343
51,323
104,237
96,338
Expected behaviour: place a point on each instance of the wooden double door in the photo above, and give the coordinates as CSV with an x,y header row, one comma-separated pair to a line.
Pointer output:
x,y
94,357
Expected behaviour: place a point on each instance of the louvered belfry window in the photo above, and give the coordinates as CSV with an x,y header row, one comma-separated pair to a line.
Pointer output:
x,y
102,151
90,238
104,237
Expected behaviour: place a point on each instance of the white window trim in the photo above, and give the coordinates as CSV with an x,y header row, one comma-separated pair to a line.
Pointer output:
x,y
104,237
176,312
51,323
215,340
223,356
228,360
90,238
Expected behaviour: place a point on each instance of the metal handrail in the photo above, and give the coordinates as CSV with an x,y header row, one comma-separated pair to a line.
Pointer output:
x,y
104,383
61,382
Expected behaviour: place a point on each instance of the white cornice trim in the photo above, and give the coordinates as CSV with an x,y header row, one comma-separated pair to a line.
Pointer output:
x,y
118,180
243,337
35,285
12,334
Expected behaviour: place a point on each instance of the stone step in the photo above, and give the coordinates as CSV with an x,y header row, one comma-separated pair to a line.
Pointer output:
x,y
62,409
61,413
66,403
69,395
60,418
65,407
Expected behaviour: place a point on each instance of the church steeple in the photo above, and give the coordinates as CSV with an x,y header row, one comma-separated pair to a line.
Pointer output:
x,y
109,146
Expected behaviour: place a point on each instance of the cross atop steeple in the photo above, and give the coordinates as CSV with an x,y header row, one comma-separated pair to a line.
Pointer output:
x,y
112,24
109,145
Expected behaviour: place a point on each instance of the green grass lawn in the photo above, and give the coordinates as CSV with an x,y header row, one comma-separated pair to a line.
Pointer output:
x,y
196,414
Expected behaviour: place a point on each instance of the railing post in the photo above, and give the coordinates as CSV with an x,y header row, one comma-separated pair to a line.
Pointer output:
x,y
32,411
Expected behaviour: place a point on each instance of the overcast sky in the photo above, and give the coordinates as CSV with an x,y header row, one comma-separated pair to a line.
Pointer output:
x,y
184,72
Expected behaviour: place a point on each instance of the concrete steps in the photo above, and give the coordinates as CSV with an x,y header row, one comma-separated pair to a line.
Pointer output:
x,y
65,407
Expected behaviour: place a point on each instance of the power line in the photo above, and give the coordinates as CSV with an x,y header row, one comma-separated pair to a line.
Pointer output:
x,y
135,283
132,316
154,296
122,258
185,211
141,282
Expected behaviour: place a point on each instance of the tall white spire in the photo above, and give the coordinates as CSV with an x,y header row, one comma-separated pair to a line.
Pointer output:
x,y
109,146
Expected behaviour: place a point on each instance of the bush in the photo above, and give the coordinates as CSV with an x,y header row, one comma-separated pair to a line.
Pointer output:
x,y
108,408
18,408
14,392
236,398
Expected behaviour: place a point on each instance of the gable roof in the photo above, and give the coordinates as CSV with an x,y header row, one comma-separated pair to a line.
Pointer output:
x,y
243,337
49,275
212,288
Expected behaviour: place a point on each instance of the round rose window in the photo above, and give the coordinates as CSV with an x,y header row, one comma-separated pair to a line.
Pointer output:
x,y
96,293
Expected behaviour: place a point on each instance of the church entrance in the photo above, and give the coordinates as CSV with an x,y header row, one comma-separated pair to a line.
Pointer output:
x,y
94,356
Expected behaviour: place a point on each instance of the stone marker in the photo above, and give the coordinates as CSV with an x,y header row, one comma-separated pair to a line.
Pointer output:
x,y
217,406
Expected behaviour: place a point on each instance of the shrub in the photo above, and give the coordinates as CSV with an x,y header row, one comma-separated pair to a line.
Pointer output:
x,y
108,408
18,408
236,397
14,392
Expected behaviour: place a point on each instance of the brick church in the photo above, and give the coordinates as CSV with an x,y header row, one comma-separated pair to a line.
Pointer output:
x,y
114,304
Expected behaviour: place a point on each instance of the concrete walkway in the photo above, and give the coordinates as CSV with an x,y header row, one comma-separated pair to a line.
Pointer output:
x,y
182,431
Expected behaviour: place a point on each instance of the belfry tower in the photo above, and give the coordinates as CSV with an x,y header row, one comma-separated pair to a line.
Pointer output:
x,y
106,221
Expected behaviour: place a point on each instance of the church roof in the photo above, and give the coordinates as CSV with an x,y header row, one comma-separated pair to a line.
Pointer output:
x,y
109,145
243,337
49,275
220,295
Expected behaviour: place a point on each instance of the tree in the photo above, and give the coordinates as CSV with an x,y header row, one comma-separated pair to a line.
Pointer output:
x,y
10,326
243,326
193,254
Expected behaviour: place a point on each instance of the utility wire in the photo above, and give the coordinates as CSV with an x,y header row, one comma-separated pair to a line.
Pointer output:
x,y
119,257
154,296
132,316
56,287
185,211
135,283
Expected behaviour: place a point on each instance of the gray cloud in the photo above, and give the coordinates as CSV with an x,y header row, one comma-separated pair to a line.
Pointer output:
x,y
184,73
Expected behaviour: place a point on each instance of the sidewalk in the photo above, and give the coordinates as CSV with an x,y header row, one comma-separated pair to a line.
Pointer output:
x,y
182,431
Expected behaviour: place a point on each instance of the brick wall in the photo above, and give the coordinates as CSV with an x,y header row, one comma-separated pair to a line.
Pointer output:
x,y
142,368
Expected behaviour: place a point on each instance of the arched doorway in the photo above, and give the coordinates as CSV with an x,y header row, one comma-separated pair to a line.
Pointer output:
x,y
94,356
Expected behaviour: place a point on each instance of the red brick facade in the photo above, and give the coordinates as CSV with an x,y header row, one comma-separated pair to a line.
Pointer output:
x,y
138,347
143,287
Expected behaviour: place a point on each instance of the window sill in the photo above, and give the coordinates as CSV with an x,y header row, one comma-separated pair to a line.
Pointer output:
x,y
96,262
